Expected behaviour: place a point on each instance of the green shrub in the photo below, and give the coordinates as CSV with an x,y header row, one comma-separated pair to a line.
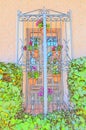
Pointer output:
x,y
77,85
10,93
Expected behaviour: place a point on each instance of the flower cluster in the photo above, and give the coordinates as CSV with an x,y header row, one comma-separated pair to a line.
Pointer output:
x,y
53,48
29,46
34,68
30,43
39,21
41,93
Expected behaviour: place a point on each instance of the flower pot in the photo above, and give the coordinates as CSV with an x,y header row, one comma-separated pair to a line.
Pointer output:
x,y
34,81
56,78
54,53
59,53
41,29
36,53
31,81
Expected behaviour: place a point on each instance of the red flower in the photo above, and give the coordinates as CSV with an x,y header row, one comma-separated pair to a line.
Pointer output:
x,y
39,21
53,48
30,43
25,48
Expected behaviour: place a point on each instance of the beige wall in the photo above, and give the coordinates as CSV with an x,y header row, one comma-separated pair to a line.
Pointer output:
x,y
8,12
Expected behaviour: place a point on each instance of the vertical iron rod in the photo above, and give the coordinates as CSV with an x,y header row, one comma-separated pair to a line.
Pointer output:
x,y
45,64
17,36
70,13
23,41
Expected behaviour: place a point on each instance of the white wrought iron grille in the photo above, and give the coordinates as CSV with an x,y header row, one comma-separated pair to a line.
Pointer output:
x,y
44,43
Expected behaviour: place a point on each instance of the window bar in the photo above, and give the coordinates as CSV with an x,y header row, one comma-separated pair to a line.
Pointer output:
x,y
27,84
28,40
22,41
28,66
70,13
39,58
56,28
66,44
45,63
52,61
17,36
33,95
61,83
55,40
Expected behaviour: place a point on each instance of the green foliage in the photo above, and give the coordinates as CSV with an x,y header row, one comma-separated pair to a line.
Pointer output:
x,y
30,74
59,48
77,85
30,48
36,47
10,93
33,74
36,74
13,118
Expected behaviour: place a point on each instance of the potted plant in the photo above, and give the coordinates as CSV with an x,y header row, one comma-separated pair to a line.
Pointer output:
x,y
54,60
59,48
56,75
41,94
30,47
30,76
35,76
39,23
36,51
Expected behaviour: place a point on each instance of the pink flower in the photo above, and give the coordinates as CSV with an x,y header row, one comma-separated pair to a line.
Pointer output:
x,y
30,43
50,91
34,68
39,21
41,92
53,48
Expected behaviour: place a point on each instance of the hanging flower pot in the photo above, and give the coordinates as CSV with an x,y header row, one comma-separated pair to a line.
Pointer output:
x,y
34,81
30,81
59,53
56,75
54,53
36,52
59,48
56,78
35,75
30,78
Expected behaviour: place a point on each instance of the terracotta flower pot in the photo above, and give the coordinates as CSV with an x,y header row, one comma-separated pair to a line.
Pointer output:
x,y
54,53
41,29
59,53
57,78
36,53
31,81
34,81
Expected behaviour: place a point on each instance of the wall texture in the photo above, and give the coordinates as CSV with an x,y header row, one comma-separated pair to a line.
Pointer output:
x,y
8,12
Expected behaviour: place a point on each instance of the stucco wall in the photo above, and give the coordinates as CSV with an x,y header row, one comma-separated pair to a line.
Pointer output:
x,y
8,12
